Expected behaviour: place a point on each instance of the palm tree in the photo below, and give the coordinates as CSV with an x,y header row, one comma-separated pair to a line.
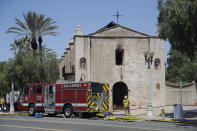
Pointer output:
x,y
45,26
35,26
27,28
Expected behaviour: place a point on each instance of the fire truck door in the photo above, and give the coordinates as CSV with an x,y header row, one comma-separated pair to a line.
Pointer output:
x,y
49,100
39,94
36,94
32,94
26,93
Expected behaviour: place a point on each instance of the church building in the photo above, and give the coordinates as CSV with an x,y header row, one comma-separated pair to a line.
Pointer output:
x,y
115,55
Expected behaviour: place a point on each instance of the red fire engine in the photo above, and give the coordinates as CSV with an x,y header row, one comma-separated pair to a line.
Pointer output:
x,y
66,98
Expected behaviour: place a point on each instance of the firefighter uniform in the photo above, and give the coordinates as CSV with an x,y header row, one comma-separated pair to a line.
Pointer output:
x,y
126,104
2,102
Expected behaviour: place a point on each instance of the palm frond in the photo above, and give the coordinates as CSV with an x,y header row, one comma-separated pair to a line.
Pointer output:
x,y
21,24
46,26
16,28
18,33
40,21
25,17
13,47
50,33
50,28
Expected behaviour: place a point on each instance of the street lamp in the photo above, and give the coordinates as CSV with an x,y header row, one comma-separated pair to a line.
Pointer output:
x,y
149,59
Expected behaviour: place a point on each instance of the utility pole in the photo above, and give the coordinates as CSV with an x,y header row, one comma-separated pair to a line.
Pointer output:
x,y
180,91
12,99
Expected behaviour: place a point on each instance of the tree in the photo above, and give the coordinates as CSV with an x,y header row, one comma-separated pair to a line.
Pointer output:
x,y
26,66
175,62
34,26
179,67
45,27
4,83
177,22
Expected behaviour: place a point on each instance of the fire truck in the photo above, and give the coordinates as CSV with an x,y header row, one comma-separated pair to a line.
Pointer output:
x,y
64,98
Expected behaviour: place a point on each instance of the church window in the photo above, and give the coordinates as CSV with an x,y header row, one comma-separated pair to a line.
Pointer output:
x,y
119,56
73,68
83,63
63,70
156,63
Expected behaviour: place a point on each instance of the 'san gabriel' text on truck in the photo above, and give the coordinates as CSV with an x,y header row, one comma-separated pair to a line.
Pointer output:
x,y
64,98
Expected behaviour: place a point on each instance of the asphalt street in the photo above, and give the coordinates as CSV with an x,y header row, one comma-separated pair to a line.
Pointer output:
x,y
24,123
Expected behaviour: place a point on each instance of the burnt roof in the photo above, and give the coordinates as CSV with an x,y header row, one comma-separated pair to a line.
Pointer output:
x,y
111,24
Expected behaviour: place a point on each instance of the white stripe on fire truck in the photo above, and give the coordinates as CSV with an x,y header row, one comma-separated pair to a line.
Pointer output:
x,y
73,104
37,104
24,104
58,104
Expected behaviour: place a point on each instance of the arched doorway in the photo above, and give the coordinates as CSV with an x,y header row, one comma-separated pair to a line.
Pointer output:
x,y
120,90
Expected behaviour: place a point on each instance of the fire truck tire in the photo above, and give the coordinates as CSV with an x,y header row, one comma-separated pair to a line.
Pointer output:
x,y
32,110
68,111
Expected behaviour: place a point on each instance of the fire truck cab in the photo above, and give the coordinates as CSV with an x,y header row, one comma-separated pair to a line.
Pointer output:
x,y
64,98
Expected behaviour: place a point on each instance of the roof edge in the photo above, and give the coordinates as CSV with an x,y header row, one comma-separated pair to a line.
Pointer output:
x,y
133,37
99,31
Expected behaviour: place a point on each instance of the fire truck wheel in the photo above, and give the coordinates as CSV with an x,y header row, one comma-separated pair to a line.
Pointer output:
x,y
68,111
32,110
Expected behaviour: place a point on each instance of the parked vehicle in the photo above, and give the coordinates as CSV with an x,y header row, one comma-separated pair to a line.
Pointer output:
x,y
64,98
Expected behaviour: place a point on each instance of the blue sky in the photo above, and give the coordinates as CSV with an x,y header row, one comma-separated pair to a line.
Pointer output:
x,y
140,15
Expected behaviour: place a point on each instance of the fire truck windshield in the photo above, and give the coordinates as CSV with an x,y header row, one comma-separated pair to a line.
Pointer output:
x,y
26,90
96,88
50,89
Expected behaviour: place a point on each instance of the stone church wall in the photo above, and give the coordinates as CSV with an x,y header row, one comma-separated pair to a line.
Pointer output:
x,y
101,66
94,59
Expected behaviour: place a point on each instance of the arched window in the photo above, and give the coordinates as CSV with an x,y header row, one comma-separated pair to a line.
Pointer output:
x,y
83,63
156,63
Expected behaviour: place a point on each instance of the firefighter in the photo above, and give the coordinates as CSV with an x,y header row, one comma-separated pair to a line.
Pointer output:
x,y
126,104
96,98
2,102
